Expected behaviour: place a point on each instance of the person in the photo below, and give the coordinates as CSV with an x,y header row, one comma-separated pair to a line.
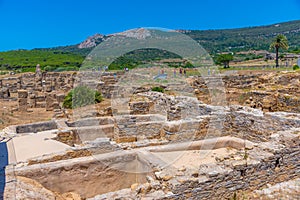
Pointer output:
x,y
174,72
184,71
208,72
180,71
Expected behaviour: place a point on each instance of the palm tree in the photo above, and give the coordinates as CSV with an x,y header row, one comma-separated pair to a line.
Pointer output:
x,y
280,41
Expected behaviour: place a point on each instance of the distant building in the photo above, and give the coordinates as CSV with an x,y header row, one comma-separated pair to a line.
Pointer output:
x,y
270,56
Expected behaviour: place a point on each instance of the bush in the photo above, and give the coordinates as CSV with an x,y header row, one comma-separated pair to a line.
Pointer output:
x,y
81,96
158,89
296,67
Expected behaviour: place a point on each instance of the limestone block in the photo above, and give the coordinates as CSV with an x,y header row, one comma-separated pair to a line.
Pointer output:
x,y
22,102
22,94
60,97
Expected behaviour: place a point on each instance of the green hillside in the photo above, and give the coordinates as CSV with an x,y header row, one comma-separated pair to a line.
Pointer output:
x,y
240,39
243,39
214,41
26,60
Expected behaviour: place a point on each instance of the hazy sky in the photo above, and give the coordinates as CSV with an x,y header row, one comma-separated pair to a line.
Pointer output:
x,y
27,24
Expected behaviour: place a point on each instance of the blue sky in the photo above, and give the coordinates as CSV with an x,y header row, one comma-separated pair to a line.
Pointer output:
x,y
27,24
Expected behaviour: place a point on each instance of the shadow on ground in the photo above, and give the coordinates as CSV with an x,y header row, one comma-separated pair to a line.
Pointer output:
x,y
3,163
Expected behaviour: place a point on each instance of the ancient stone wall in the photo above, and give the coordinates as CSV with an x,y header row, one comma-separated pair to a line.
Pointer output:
x,y
275,168
48,89
269,92
36,127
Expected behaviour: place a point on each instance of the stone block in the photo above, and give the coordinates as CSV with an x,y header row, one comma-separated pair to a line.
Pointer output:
x,y
60,98
40,105
126,139
22,102
22,94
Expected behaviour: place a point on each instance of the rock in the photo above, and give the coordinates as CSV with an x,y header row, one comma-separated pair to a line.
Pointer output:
x,y
22,94
195,174
162,176
143,189
134,186
167,177
182,169
149,179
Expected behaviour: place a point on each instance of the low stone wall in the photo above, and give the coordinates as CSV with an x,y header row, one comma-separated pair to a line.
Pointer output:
x,y
68,137
36,127
130,128
282,165
185,130
91,122
91,133
255,125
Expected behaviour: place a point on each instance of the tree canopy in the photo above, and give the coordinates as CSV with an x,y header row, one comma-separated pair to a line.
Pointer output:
x,y
224,59
279,42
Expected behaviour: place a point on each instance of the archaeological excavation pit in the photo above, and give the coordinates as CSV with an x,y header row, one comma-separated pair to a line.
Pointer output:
x,y
103,173
125,150
89,176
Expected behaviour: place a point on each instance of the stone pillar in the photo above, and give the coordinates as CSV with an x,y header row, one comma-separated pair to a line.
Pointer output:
x,y
38,78
38,69
51,102
22,100
19,86
32,100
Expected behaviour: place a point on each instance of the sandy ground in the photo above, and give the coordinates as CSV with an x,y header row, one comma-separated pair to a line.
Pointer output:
x,y
9,116
27,147
194,158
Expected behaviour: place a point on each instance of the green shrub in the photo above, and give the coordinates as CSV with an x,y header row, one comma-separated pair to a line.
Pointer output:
x,y
158,89
296,67
81,96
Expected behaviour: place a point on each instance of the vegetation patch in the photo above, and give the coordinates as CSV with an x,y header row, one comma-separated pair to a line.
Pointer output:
x,y
26,60
81,96
296,67
158,89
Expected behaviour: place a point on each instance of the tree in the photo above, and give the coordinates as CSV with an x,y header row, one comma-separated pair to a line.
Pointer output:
x,y
224,59
280,41
81,96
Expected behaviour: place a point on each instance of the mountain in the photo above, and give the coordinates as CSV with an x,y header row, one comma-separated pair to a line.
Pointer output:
x,y
214,41
240,39
92,41
243,39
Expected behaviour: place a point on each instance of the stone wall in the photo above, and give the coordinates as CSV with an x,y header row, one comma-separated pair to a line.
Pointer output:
x,y
272,91
48,89
273,168
36,127
130,128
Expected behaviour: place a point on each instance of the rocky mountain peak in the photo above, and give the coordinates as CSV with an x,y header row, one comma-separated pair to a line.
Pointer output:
x,y
139,33
91,41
